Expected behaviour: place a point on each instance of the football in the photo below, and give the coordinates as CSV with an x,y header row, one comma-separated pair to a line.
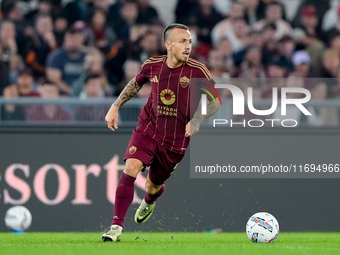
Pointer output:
x,y
262,227
18,218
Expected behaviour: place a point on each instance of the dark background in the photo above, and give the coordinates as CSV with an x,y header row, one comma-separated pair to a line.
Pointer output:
x,y
187,204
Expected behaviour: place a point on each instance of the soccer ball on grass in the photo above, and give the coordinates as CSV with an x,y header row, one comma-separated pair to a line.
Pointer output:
x,y
262,227
18,218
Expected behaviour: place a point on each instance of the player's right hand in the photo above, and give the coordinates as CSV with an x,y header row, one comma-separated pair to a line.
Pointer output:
x,y
111,118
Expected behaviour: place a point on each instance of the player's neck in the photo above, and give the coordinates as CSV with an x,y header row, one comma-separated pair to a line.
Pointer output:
x,y
173,62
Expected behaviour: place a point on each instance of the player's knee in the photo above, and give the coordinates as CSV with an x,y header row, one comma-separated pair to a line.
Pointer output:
x,y
133,167
151,188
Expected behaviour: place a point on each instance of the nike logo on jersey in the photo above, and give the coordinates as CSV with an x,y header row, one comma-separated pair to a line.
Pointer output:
x,y
155,79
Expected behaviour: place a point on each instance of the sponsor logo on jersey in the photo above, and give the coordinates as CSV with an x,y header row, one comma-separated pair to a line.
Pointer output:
x,y
168,96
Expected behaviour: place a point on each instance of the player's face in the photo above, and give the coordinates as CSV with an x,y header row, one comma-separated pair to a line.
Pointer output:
x,y
180,44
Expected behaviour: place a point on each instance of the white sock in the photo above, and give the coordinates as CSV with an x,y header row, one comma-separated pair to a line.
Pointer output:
x,y
117,226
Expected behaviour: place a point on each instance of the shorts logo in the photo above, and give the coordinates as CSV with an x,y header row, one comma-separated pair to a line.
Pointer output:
x,y
168,97
184,81
132,150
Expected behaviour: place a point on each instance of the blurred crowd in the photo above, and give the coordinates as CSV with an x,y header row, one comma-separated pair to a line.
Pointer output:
x,y
93,48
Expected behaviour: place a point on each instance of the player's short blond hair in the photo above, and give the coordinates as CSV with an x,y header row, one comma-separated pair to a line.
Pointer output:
x,y
171,27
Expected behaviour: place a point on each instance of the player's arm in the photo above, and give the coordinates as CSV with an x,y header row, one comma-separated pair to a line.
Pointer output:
x,y
194,125
130,90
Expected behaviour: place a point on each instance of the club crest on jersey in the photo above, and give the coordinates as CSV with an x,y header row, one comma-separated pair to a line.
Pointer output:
x,y
132,150
168,96
184,81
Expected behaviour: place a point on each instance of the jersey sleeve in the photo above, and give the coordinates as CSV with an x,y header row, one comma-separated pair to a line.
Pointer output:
x,y
203,74
144,74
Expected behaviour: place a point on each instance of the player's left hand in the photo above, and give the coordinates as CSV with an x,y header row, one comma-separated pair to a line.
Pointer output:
x,y
191,129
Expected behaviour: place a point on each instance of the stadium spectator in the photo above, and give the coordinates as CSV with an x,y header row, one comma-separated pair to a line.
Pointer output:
x,y
65,65
93,65
146,13
204,17
225,25
254,11
302,61
150,47
183,7
92,90
11,12
330,70
269,38
93,87
276,72
286,47
25,83
157,28
257,38
145,91
277,68
224,49
48,113
331,63
113,15
76,10
101,4
237,34
9,48
308,32
11,112
42,43
335,41
100,35
131,29
252,66
4,71
44,7
310,36
216,65
128,18
274,14
131,69
321,5
60,28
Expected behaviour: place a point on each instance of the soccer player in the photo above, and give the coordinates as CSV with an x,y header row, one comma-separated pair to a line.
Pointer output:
x,y
165,125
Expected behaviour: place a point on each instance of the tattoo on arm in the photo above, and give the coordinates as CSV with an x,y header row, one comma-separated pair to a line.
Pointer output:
x,y
199,118
130,90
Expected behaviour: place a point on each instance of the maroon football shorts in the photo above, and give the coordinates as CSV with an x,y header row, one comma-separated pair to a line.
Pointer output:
x,y
162,162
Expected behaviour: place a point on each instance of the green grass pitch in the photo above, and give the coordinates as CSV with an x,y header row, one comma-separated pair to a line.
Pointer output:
x,y
167,243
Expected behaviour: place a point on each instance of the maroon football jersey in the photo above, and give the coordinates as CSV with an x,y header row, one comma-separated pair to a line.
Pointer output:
x,y
170,106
